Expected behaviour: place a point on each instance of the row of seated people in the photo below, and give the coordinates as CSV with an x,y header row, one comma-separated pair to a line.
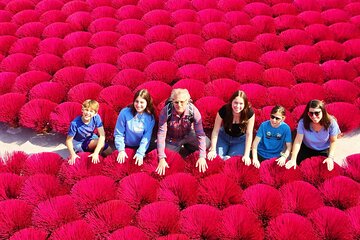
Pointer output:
x,y
180,128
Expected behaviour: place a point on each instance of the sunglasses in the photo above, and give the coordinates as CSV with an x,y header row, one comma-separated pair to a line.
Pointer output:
x,y
275,117
316,113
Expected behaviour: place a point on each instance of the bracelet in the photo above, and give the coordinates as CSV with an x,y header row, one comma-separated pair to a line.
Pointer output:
x,y
283,155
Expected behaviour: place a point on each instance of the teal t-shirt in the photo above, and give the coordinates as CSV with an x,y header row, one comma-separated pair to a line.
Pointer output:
x,y
272,140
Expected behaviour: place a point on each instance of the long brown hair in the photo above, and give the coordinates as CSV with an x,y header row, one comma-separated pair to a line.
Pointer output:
x,y
228,119
143,93
326,118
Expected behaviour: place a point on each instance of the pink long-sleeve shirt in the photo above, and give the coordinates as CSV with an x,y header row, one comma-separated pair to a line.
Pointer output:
x,y
178,127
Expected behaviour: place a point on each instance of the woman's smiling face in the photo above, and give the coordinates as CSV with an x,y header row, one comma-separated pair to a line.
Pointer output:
x,y
237,104
315,114
140,104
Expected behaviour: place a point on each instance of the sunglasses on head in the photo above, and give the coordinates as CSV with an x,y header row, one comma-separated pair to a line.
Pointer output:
x,y
275,117
316,113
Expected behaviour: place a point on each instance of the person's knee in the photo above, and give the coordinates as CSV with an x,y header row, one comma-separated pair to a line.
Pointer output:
x,y
88,145
236,150
107,151
221,152
173,146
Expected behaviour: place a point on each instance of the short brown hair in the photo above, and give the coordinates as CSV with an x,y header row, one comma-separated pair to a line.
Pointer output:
x,y
278,109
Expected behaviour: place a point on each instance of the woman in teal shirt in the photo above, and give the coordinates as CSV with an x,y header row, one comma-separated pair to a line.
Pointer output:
x,y
271,138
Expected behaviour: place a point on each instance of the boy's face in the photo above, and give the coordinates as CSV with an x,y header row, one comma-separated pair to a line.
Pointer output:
x,y
276,119
88,113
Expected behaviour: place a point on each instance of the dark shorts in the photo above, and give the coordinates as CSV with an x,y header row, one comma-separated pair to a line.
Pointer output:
x,y
306,152
85,145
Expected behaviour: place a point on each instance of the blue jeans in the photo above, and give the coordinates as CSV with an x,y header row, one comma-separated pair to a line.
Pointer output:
x,y
230,146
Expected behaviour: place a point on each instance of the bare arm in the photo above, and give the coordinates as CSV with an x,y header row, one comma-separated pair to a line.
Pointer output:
x,y
295,151
255,159
101,141
248,141
333,140
288,149
100,144
284,156
330,159
214,137
70,146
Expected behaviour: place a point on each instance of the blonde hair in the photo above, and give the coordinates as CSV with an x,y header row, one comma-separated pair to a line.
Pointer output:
x,y
91,104
178,91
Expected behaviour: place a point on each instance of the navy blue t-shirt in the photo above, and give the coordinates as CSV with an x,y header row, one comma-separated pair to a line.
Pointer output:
x,y
80,131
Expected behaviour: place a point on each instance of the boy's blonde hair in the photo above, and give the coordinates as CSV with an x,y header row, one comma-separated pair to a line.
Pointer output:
x,y
91,104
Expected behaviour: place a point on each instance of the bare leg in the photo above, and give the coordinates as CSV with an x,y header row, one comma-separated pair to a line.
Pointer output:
x,y
92,145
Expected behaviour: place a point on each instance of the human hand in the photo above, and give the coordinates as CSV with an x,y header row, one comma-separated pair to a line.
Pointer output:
x,y
121,156
330,163
162,166
73,158
138,159
256,163
211,154
290,164
94,158
281,161
246,160
201,163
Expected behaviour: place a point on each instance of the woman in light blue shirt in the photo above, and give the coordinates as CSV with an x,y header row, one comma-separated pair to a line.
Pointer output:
x,y
134,127
317,133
